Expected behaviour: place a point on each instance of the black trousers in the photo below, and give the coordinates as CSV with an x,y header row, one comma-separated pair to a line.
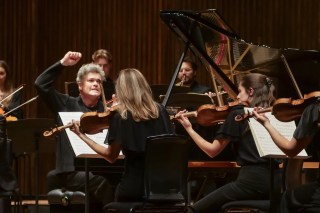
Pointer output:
x,y
253,182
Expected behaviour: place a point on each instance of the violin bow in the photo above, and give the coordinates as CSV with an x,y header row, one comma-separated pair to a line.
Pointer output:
x,y
104,101
32,99
11,94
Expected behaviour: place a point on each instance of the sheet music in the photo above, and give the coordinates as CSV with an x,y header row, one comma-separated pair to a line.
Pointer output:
x,y
80,148
265,145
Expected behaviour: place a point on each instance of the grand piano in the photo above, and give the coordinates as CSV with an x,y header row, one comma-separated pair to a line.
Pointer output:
x,y
226,57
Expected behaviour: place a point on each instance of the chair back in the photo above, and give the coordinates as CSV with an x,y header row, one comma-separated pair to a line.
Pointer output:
x,y
166,166
71,88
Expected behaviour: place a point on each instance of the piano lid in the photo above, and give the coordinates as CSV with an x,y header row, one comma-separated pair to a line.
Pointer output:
x,y
227,56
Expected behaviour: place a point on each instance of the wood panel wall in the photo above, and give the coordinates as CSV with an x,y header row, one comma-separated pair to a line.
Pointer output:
x,y
37,33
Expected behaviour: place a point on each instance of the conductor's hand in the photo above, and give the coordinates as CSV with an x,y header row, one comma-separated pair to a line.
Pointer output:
x,y
76,127
183,120
70,58
260,117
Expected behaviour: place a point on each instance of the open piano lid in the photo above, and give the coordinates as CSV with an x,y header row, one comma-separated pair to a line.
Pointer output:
x,y
227,56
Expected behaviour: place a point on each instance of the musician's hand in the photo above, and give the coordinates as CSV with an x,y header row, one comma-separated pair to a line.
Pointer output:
x,y
114,100
70,58
211,96
260,117
76,127
182,119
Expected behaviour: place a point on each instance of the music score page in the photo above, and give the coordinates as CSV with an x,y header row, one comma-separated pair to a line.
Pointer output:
x,y
265,145
80,148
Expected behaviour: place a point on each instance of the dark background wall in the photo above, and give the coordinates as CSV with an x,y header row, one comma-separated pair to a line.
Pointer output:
x,y
36,33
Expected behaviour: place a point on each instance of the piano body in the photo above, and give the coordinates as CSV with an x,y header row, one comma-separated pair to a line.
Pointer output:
x,y
227,57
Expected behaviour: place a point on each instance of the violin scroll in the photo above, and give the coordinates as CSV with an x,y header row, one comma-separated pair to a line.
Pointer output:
x,y
55,130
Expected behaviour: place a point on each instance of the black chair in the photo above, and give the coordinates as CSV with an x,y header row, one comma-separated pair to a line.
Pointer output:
x,y
166,168
71,88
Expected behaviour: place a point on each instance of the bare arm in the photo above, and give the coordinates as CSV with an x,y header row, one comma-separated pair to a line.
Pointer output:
x,y
109,153
290,148
211,149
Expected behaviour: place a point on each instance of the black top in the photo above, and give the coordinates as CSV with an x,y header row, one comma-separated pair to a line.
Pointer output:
x,y
15,102
59,102
308,124
132,135
240,136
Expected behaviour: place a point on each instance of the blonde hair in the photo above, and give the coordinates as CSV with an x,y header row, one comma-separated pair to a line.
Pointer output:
x,y
134,95
102,53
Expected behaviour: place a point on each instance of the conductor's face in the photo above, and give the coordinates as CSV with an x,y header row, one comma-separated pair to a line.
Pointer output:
x,y
90,85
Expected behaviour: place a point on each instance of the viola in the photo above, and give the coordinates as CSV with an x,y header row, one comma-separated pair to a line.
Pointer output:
x,y
286,109
90,123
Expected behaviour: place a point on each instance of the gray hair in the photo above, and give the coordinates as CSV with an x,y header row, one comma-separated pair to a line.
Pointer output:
x,y
88,68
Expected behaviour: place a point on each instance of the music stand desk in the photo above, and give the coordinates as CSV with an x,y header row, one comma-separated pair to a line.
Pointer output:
x,y
190,101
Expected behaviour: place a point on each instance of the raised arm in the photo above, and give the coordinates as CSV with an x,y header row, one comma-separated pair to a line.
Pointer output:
x,y
45,81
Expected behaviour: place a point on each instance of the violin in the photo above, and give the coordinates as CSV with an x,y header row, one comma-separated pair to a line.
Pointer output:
x,y
210,114
286,109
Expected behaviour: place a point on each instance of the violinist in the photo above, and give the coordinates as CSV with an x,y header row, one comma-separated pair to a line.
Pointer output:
x,y
88,79
305,198
6,89
254,176
137,117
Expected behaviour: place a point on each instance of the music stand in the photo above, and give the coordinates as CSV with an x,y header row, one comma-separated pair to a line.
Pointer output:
x,y
161,89
26,135
189,101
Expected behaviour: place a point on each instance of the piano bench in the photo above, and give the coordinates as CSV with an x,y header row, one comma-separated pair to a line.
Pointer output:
x,y
62,201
